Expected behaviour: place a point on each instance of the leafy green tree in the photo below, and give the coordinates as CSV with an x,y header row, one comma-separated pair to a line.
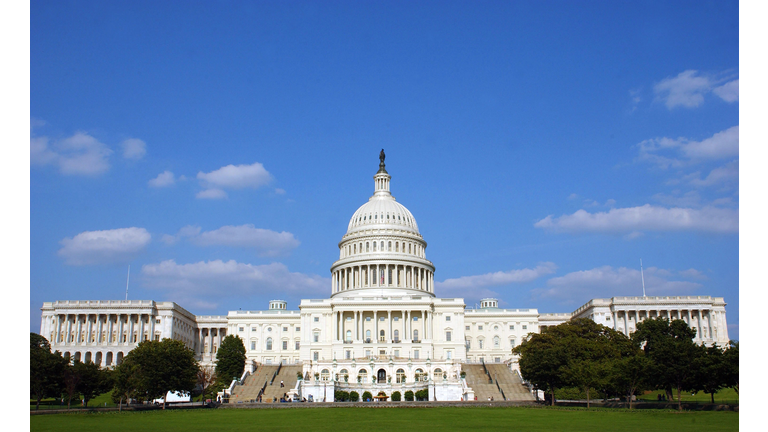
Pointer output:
x,y
354,396
126,378
396,396
72,377
46,370
154,368
408,395
670,347
710,370
367,396
93,380
731,365
542,361
230,359
628,375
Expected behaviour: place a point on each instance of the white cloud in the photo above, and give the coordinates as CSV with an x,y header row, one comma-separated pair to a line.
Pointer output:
x,y
280,191
80,154
645,218
606,281
211,194
680,151
465,285
724,174
688,199
267,242
207,282
107,246
187,231
236,177
134,148
163,179
692,273
573,196
688,88
728,92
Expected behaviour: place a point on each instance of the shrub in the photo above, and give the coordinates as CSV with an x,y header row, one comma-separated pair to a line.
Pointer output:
x,y
341,396
463,374
354,396
396,396
367,396
422,395
408,395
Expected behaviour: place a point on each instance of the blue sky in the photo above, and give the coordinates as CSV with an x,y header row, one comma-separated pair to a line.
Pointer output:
x,y
544,148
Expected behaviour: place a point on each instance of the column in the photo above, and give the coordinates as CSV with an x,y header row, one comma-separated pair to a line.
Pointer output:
x,y
200,342
407,326
424,324
100,330
389,318
376,326
218,336
141,328
626,328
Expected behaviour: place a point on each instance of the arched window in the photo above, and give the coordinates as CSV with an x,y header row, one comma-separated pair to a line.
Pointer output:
x,y
381,335
269,344
349,335
374,246
397,335
438,374
367,246
389,247
381,245
363,375
397,247
419,375
367,335
512,343
325,375
400,376
355,249
496,342
415,335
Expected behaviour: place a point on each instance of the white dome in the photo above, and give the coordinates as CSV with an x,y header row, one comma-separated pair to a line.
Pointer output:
x,y
382,212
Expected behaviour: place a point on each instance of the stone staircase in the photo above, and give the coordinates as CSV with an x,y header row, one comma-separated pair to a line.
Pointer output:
x,y
510,383
249,391
288,376
480,384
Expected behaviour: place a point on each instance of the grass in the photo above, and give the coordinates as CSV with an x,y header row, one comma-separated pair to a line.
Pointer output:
x,y
724,396
372,419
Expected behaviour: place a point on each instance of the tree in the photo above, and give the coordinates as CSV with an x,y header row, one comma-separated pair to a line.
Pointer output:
x,y
576,353
230,359
126,380
46,370
628,374
731,365
670,347
93,380
409,395
354,396
206,377
154,368
72,377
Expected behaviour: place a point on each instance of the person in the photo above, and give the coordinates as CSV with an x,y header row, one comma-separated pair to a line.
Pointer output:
x,y
281,384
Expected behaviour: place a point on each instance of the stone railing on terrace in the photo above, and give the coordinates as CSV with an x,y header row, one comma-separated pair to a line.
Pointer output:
x,y
100,303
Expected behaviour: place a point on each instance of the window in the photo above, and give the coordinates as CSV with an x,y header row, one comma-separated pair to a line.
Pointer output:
x,y
349,336
467,328
367,335
511,327
253,329
449,355
389,244
468,344
317,319
316,337
480,343
415,335
297,328
241,329
438,373
497,359
416,354
315,356
367,246
381,246
374,246
285,329
400,376
363,374
397,318
325,375
382,319
397,247
448,318
448,336
525,327
348,354
367,353
381,335
269,329
397,353
285,345
253,345
496,328
269,344
496,342
415,318
397,335
512,343
297,345
367,318
157,321
479,327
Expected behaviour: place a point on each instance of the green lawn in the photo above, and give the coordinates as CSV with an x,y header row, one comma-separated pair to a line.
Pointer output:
x,y
724,396
373,419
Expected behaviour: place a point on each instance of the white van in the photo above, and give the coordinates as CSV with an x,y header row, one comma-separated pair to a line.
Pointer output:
x,y
174,397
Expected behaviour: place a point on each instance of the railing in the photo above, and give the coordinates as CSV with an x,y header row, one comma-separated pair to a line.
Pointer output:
x,y
485,369
274,375
347,342
416,341
500,390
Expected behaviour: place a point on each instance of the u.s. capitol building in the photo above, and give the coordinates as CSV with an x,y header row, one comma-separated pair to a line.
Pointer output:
x,y
382,325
